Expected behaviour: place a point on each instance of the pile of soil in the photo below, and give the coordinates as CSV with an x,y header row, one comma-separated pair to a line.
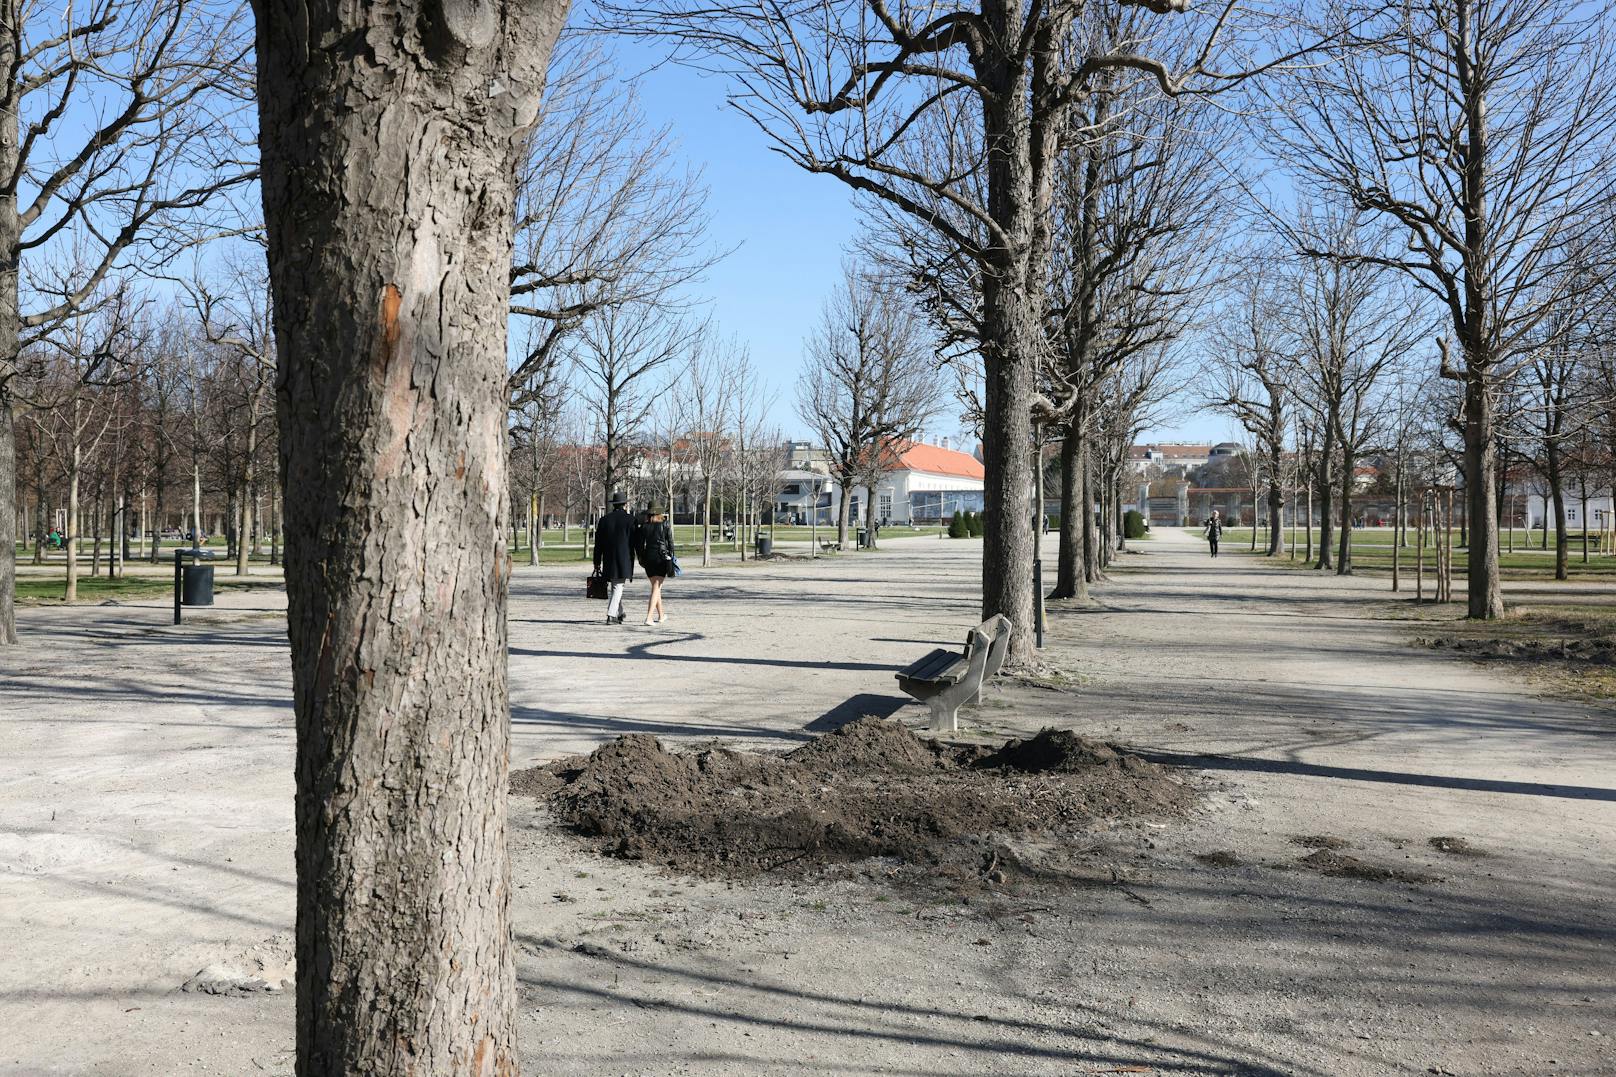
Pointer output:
x,y
1341,866
1600,650
869,789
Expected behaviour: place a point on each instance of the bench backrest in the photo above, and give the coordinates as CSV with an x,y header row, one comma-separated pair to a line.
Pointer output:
x,y
996,631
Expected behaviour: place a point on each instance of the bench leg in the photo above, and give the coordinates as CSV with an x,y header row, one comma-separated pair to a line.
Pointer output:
x,y
944,713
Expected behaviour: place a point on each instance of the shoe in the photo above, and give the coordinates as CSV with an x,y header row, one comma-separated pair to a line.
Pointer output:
x,y
649,622
662,618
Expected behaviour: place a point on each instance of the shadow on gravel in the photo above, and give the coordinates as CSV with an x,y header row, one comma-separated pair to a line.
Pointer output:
x,y
1360,774
990,1038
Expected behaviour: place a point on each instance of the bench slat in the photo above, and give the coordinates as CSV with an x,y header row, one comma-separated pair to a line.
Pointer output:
x,y
938,666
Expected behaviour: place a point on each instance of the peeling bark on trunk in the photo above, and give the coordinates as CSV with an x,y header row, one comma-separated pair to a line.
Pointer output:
x,y
391,287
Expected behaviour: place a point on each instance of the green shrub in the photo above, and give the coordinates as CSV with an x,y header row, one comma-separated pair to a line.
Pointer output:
x,y
974,521
957,527
1133,524
1053,522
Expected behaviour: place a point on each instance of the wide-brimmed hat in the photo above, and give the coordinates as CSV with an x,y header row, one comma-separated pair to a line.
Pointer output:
x,y
619,497
654,509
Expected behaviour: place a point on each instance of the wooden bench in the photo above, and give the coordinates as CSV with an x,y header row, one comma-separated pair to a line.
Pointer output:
x,y
830,546
948,680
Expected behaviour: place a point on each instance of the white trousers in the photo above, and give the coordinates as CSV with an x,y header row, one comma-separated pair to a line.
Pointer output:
x,y
614,598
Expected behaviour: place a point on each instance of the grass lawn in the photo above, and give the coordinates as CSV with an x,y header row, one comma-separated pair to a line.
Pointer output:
x,y
45,589
1372,553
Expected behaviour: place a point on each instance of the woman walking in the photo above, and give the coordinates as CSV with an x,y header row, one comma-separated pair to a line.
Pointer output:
x,y
654,544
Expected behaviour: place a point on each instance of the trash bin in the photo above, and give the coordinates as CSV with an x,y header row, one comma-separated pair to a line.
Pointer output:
x,y
765,546
197,587
863,539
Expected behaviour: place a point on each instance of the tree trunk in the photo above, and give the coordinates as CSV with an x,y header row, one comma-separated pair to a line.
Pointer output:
x,y
391,287
8,481
842,510
1326,509
70,592
707,524
1397,530
1485,599
1344,557
1276,498
1556,476
1012,334
1070,580
1307,524
10,325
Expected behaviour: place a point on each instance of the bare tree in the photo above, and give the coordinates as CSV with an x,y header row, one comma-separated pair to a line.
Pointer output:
x,y
1249,379
848,89
869,381
234,317
1481,132
602,220
706,400
72,373
391,292
622,358
1350,322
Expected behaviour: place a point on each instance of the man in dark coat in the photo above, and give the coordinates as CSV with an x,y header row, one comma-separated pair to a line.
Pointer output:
x,y
1214,530
614,554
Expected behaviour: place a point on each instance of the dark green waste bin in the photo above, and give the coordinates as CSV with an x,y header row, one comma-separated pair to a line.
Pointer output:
x,y
197,587
765,546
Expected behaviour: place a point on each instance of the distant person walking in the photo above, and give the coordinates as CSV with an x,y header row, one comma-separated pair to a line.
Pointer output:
x,y
1214,530
653,542
614,554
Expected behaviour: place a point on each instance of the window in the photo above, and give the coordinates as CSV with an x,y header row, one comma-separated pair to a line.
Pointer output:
x,y
884,507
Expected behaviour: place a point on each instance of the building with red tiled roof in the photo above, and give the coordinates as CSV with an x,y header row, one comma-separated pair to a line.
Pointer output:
x,y
919,483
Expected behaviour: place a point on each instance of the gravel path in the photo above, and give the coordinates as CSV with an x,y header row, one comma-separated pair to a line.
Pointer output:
x,y
147,791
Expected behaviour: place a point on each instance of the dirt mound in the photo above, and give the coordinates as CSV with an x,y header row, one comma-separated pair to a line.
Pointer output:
x,y
1056,750
1341,866
1598,650
1319,841
868,744
870,789
1454,846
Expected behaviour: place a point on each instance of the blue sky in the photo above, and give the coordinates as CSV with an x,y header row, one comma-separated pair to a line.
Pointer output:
x,y
789,230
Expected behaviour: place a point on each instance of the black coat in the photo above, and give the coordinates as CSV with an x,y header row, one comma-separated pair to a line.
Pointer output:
x,y
614,546
653,542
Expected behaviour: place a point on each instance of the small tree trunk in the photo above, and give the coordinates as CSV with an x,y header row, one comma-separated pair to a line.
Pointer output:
x,y
1344,558
1556,477
1326,509
1485,596
707,523
95,525
1070,580
843,509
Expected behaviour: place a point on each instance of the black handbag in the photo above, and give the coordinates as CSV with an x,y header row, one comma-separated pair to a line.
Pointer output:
x,y
596,587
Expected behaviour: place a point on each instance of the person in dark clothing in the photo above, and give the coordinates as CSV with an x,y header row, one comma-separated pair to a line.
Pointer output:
x,y
1214,530
653,542
614,554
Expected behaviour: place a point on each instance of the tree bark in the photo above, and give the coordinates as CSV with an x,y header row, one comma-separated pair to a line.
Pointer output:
x,y
1349,462
1326,509
1484,597
8,502
1070,580
1556,476
391,289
